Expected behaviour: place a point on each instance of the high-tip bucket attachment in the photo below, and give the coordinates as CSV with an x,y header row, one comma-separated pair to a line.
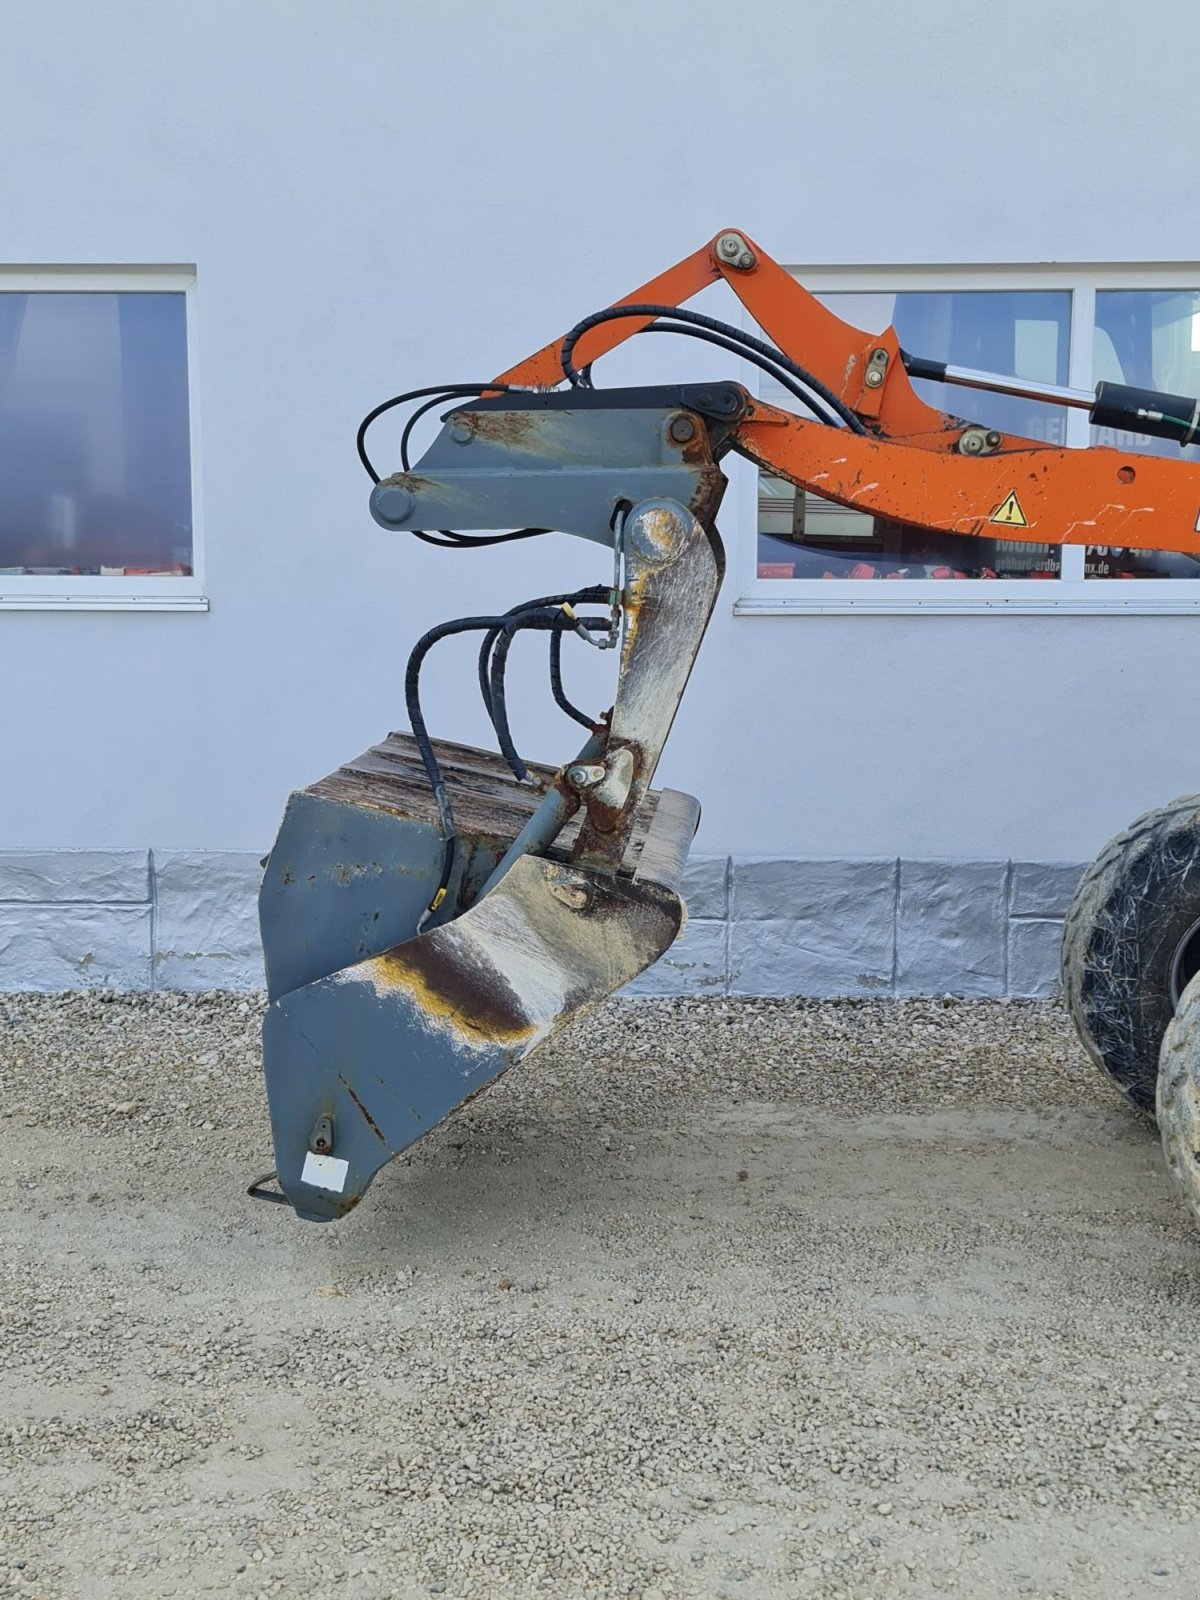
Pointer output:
x,y
431,914
375,1031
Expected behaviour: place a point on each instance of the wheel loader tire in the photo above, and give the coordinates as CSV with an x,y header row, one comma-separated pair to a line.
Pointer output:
x,y
1179,1098
1132,942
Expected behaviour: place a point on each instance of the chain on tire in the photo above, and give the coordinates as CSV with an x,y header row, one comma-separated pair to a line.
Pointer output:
x,y
1179,1098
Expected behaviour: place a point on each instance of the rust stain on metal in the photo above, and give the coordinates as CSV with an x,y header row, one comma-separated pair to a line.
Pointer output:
x,y
370,1120
500,427
604,816
407,480
444,983
706,499
662,529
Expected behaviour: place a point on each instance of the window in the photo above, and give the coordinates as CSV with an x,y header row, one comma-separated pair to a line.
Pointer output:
x,y
1061,326
97,450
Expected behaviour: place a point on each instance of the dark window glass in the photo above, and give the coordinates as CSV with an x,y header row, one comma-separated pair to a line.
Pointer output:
x,y
95,467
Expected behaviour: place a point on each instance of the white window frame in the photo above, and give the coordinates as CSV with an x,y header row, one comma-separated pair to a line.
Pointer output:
x,y
19,592
1070,593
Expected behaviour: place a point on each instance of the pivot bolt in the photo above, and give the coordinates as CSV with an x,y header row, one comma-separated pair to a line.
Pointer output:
x,y
979,441
393,504
460,433
735,252
682,429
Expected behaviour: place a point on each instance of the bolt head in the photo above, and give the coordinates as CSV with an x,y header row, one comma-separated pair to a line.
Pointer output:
x,y
392,504
732,248
460,433
971,444
682,429
874,378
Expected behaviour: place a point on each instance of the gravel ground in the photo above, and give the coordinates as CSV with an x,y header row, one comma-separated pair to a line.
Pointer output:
x,y
715,1298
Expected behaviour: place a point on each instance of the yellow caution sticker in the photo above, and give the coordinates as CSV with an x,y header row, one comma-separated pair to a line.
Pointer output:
x,y
1009,514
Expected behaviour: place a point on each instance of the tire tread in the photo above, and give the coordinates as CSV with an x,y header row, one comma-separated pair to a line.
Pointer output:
x,y
1100,887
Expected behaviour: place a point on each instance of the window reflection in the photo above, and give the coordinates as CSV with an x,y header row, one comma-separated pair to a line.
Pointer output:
x,y
1149,338
1023,333
95,469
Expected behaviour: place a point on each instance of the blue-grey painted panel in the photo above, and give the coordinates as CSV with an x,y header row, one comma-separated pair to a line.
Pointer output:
x,y
829,894
1043,888
342,882
101,876
1033,946
206,927
49,948
951,928
363,1062
782,956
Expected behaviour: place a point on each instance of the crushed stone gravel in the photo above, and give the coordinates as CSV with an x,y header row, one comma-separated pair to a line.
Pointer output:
x,y
713,1298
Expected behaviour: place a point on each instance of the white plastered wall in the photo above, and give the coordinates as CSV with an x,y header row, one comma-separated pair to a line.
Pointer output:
x,y
379,196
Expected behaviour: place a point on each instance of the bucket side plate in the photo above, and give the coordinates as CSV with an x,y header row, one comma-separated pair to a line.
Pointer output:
x,y
379,1053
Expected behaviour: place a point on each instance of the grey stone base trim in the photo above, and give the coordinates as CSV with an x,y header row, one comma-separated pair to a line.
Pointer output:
x,y
129,919
826,927
815,926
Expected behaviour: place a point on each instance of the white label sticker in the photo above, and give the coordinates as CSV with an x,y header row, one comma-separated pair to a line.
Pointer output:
x,y
325,1172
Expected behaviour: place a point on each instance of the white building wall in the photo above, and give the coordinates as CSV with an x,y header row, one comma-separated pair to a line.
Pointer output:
x,y
381,195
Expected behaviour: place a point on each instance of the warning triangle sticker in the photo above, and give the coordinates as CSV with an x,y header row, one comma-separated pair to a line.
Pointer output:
x,y
1009,514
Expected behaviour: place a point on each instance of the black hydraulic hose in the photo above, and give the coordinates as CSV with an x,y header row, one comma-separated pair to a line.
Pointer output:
x,y
451,540
442,392
414,417
416,717
595,595
783,379
543,620
696,319
446,390
556,683
433,770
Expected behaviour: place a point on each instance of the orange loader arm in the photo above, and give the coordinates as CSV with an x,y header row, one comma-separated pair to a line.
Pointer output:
x,y
913,463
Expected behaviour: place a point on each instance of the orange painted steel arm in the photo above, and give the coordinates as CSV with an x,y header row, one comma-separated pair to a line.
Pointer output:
x,y
832,350
908,466
670,288
1094,496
